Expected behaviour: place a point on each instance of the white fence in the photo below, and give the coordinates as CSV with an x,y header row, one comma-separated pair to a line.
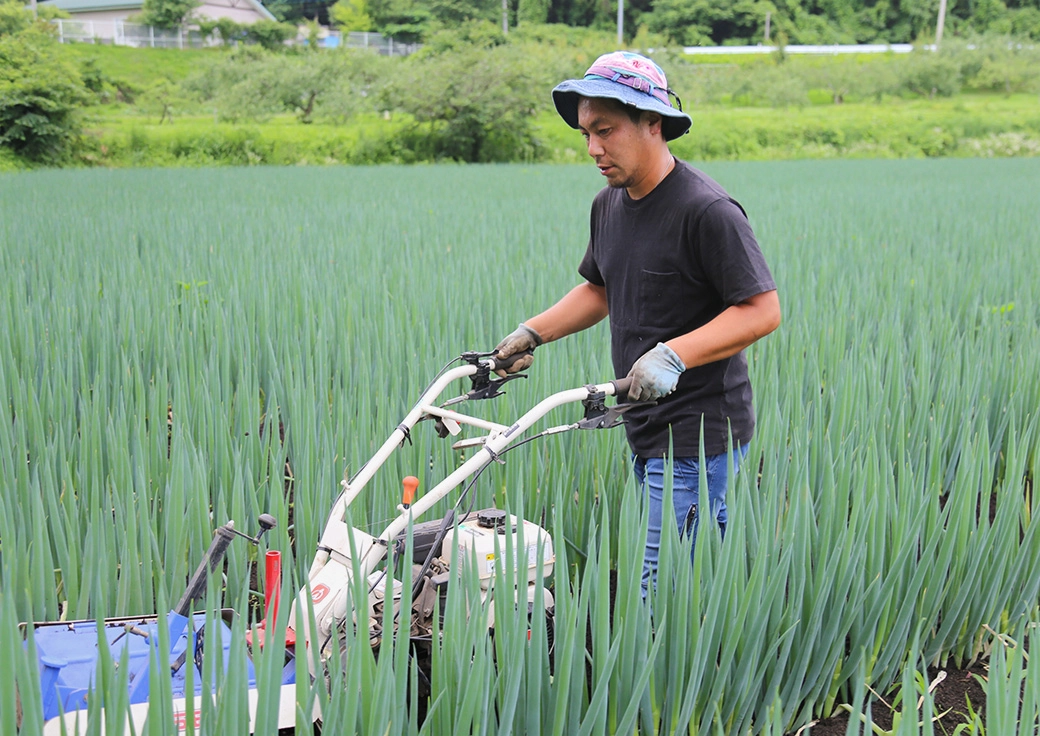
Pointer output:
x,y
384,45
121,33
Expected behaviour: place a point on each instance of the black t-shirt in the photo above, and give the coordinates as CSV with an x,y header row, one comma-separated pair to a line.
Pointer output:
x,y
670,263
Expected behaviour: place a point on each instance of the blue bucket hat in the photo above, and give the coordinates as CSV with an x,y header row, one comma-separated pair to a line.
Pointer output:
x,y
630,79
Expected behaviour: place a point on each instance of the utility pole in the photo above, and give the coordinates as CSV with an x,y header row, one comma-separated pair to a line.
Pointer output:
x,y
505,17
940,23
768,18
620,22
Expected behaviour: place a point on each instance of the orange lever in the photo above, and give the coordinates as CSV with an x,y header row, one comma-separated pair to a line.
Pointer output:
x,y
410,484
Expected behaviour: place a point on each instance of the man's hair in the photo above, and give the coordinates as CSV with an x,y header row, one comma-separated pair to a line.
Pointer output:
x,y
634,113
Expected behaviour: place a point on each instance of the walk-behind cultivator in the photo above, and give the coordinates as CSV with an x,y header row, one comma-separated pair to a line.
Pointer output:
x,y
462,542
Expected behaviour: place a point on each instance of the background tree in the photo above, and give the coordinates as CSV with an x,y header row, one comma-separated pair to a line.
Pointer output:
x,y
167,13
473,105
709,22
405,20
1006,64
14,17
351,15
532,11
40,96
253,84
270,34
164,99
453,13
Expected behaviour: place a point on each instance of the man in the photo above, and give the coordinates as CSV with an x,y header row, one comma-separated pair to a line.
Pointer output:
x,y
673,262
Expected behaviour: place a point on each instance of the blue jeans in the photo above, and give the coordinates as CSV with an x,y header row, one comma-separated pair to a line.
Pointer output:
x,y
650,474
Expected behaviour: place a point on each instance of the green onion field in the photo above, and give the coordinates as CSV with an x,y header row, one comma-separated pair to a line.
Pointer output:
x,y
184,347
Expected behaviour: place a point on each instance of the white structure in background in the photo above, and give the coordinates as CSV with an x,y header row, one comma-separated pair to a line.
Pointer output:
x,y
866,48
105,20
377,42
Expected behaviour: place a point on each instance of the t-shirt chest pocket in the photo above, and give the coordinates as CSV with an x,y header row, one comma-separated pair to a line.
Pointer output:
x,y
663,299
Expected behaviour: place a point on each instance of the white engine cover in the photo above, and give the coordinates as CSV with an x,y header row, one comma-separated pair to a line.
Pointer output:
x,y
487,546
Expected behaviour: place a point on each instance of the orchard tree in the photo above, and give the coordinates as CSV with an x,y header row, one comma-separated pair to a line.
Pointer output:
x,y
473,105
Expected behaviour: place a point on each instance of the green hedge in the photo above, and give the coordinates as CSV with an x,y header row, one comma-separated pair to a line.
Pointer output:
x,y
975,126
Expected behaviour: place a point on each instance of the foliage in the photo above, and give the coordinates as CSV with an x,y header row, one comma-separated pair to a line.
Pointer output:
x,y
405,20
40,93
709,22
164,99
772,85
532,11
473,105
226,29
471,34
351,15
50,12
453,13
167,13
269,34
1003,64
931,75
14,17
252,84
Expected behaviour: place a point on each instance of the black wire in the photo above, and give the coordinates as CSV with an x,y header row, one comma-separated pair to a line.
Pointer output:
x,y
443,531
428,387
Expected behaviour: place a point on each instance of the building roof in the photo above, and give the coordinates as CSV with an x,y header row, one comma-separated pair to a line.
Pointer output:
x,y
83,6
86,6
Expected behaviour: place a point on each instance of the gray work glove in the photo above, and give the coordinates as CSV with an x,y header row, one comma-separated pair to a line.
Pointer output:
x,y
656,374
520,340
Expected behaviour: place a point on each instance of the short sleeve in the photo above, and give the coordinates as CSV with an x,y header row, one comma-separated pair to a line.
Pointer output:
x,y
588,268
730,253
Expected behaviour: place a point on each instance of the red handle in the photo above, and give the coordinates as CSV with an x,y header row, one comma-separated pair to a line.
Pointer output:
x,y
410,484
272,584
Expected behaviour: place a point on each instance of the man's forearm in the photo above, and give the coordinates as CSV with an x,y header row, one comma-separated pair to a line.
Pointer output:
x,y
734,329
581,308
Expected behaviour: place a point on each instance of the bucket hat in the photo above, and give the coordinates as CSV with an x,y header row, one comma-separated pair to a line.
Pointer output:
x,y
631,79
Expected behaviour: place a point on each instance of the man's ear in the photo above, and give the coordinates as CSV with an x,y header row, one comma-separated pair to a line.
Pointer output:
x,y
654,121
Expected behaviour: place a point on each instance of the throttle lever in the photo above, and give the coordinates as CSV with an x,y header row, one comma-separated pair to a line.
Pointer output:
x,y
491,388
600,416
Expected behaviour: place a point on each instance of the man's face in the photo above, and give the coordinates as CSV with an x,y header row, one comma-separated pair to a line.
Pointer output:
x,y
620,147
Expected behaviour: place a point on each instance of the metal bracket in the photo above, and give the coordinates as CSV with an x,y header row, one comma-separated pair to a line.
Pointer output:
x,y
491,387
600,416
484,386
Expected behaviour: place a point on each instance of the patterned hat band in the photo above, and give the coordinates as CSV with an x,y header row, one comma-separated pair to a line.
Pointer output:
x,y
636,82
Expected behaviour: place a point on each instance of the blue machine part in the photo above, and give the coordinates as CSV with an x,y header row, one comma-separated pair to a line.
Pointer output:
x,y
68,654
